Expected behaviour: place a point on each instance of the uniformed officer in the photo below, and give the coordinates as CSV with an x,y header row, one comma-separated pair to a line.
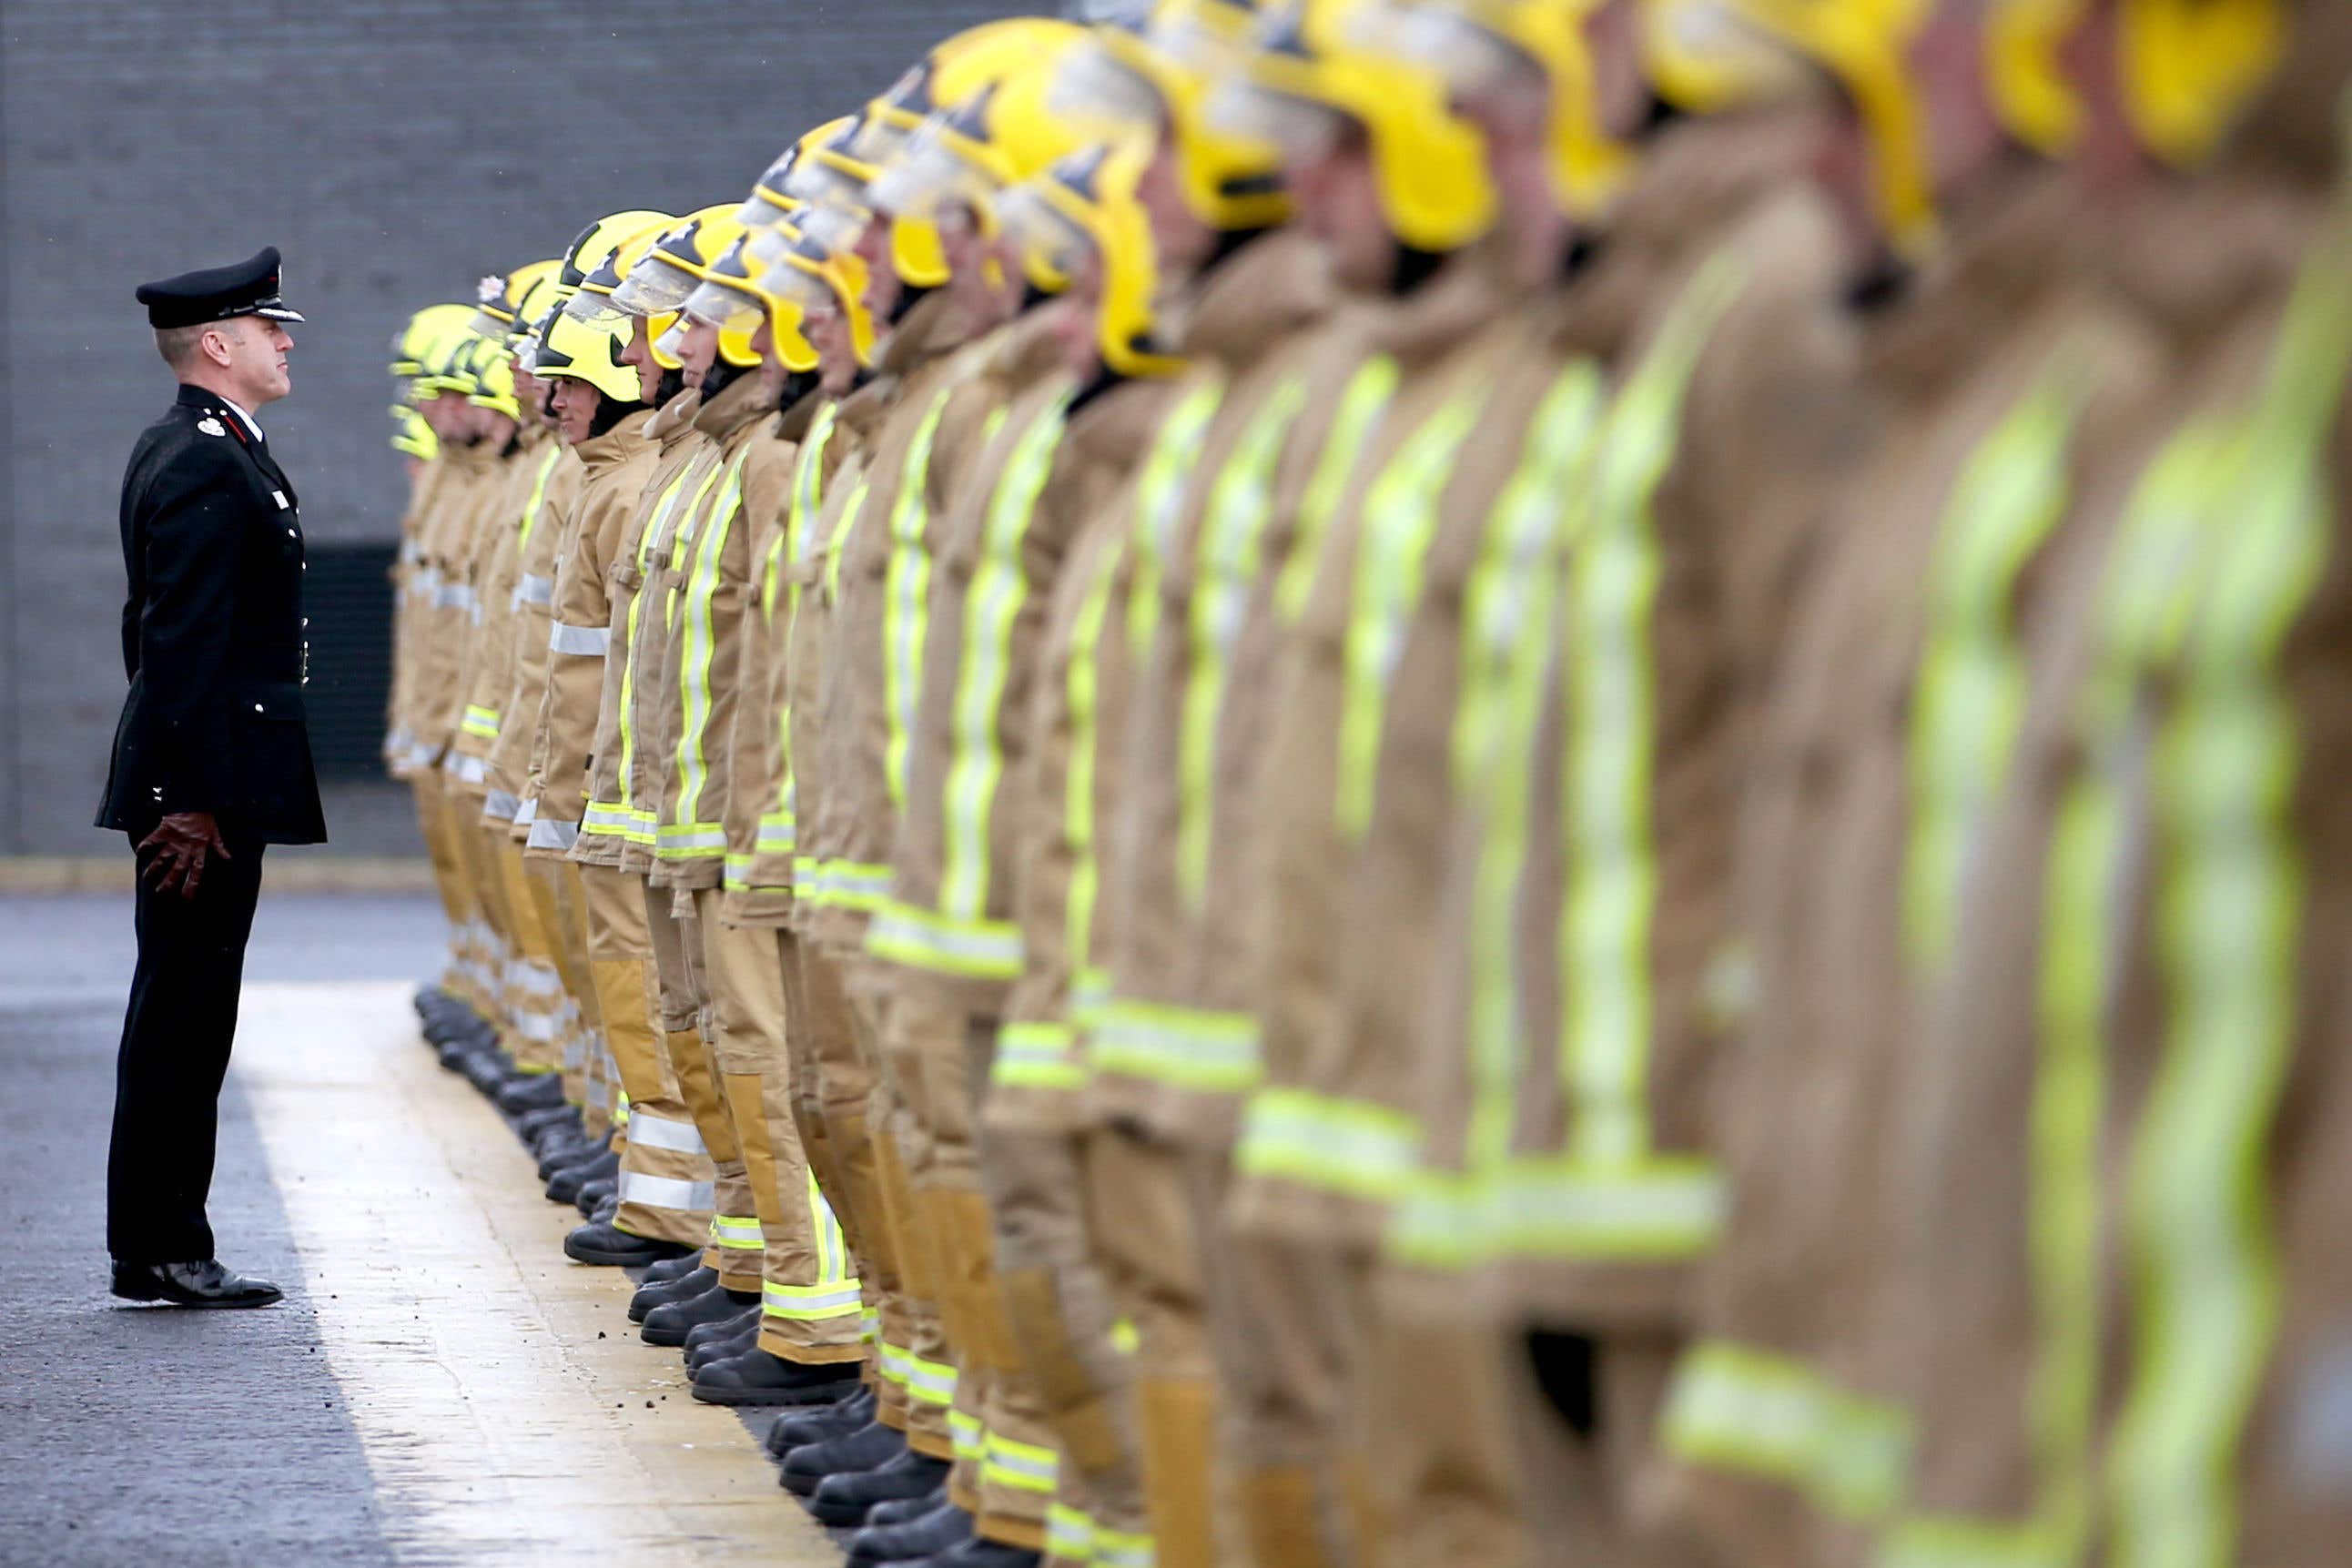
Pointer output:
x,y
212,759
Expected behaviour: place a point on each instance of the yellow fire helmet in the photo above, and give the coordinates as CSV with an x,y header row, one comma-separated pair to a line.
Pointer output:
x,y
1703,56
1126,78
592,301
1303,83
588,351
425,331
729,298
448,367
494,378
772,200
2035,102
499,297
1086,202
598,240
1861,43
1473,43
949,75
541,295
2189,67
412,436
1001,135
814,277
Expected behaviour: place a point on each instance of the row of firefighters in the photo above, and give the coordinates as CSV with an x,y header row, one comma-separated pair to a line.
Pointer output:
x,y
1368,782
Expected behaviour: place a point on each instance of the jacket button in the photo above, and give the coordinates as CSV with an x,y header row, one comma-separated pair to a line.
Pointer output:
x,y
257,707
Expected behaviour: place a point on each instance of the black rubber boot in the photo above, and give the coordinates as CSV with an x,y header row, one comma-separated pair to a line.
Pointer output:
x,y
565,1186
669,1269
715,1342
758,1378
941,1527
669,1323
570,1151
904,1510
860,1449
539,1127
842,1501
979,1553
796,1429
595,1195
681,1285
607,1211
609,1245
528,1091
487,1070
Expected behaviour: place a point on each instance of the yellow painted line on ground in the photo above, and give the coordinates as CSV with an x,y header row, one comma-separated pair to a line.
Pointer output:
x,y
498,1426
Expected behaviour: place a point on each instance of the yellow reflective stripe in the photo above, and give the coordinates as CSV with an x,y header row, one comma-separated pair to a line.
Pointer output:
x,y
905,599
777,833
1024,1467
1070,1534
1932,1541
1755,1411
1662,1209
1187,1047
832,548
739,1231
1000,586
700,645
1085,687
480,722
1159,504
663,511
1400,521
1124,1549
1037,1055
1971,697
932,1381
1231,533
538,495
968,1437
1357,1148
800,537
844,884
1125,1337
736,875
809,1303
2228,934
690,841
832,1250
926,939
1612,882
1362,407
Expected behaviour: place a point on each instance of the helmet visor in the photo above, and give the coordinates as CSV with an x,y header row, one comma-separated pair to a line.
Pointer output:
x,y
592,308
670,347
726,306
932,175
1092,86
1303,130
1471,59
795,282
766,202
836,229
1048,240
821,182
655,286
486,325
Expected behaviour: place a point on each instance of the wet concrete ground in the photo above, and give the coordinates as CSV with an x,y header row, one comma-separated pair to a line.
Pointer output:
x,y
441,1384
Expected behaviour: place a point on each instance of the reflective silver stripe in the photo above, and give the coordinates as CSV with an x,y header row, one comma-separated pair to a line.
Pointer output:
x,y
539,1027
664,1192
587,642
547,833
678,1137
533,590
457,596
540,979
810,1301
464,769
499,805
426,584
527,812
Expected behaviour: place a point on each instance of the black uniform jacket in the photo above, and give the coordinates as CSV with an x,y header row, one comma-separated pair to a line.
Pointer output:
x,y
212,634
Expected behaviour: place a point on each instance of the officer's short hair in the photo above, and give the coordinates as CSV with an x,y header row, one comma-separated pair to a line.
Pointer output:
x,y
178,344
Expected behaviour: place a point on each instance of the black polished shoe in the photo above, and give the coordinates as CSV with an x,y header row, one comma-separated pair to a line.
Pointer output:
x,y
611,1247
715,1342
681,1285
528,1092
941,1526
565,1186
595,1195
796,1429
204,1284
759,1378
843,1501
669,1323
860,1449
979,1553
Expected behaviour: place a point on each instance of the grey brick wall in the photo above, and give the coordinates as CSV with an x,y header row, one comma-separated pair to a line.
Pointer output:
x,y
394,151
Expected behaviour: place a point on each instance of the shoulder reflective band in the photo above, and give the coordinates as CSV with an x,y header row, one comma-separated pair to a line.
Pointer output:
x,y
1353,426
907,598
583,642
706,464
533,590
1970,699
693,838
1158,504
1753,1412
1083,689
1606,832
1000,586
1228,556
538,495
1400,520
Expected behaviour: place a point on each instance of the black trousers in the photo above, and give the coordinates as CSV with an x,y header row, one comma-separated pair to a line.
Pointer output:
x,y
175,1042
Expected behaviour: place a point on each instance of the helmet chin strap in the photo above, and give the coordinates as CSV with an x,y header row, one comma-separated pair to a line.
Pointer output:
x,y
609,412
719,377
672,383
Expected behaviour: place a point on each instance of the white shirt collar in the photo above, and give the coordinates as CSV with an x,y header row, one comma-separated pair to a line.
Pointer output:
x,y
250,423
